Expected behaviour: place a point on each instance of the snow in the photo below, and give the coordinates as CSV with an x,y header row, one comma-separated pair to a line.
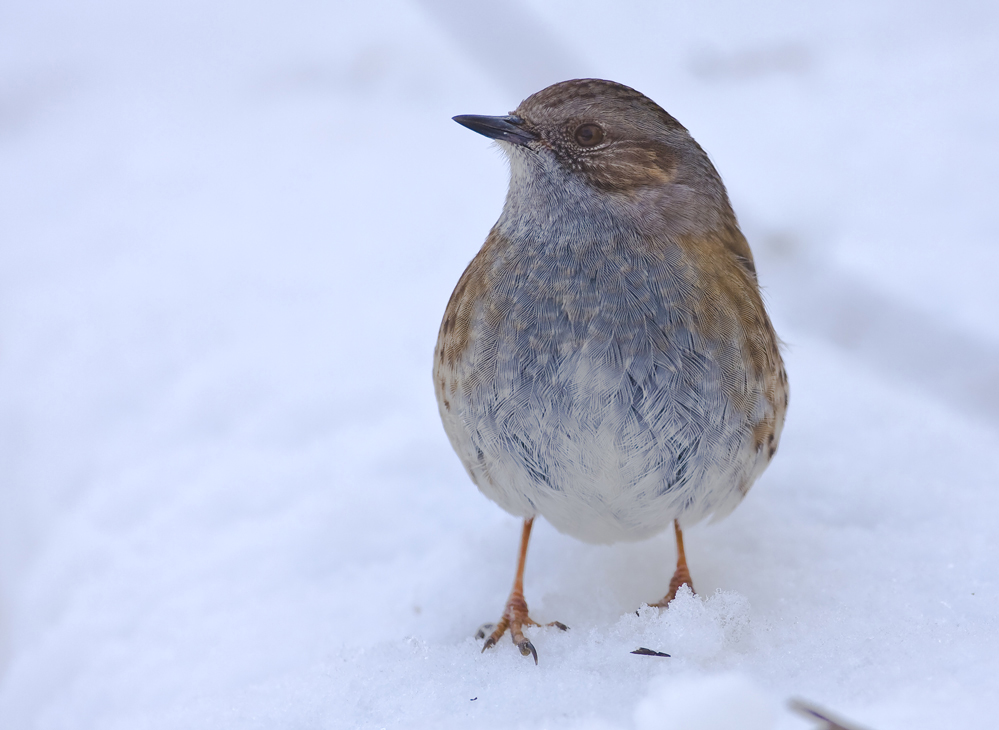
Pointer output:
x,y
227,235
725,700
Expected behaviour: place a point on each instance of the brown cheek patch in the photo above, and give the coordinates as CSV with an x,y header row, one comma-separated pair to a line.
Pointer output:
x,y
624,167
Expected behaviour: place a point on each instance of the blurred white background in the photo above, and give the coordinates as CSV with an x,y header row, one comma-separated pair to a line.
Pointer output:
x,y
227,235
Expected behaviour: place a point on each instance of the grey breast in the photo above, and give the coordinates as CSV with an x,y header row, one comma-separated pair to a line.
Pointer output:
x,y
596,346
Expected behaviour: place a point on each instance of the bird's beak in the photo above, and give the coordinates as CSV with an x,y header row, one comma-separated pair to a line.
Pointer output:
x,y
506,129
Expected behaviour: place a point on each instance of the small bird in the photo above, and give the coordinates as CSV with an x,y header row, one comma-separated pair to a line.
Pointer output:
x,y
606,360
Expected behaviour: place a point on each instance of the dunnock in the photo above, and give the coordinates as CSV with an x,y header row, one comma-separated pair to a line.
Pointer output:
x,y
606,360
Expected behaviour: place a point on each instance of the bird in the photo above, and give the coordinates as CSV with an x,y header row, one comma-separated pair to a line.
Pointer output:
x,y
606,360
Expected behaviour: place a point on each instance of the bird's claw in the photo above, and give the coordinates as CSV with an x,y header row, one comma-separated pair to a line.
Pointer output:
x,y
515,618
527,649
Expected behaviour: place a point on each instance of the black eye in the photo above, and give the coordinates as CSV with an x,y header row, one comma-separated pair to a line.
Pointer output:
x,y
588,135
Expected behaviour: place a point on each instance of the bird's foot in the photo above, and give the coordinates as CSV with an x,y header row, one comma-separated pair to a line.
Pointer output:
x,y
680,578
515,618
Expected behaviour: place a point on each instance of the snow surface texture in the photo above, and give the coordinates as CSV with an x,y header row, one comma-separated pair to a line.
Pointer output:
x,y
227,235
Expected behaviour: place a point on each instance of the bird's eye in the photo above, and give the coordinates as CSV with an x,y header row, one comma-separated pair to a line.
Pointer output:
x,y
588,135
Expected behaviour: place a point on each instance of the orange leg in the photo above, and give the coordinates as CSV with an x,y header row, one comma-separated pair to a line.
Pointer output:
x,y
682,575
515,616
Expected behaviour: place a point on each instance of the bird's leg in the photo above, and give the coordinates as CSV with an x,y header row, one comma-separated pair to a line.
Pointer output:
x,y
682,575
515,616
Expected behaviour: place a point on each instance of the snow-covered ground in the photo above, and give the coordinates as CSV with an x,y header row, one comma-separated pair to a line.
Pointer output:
x,y
227,235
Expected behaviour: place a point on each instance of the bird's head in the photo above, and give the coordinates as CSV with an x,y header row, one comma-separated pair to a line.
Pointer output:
x,y
607,144
613,137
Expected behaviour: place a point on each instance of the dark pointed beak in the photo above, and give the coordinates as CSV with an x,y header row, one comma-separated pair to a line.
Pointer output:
x,y
506,129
